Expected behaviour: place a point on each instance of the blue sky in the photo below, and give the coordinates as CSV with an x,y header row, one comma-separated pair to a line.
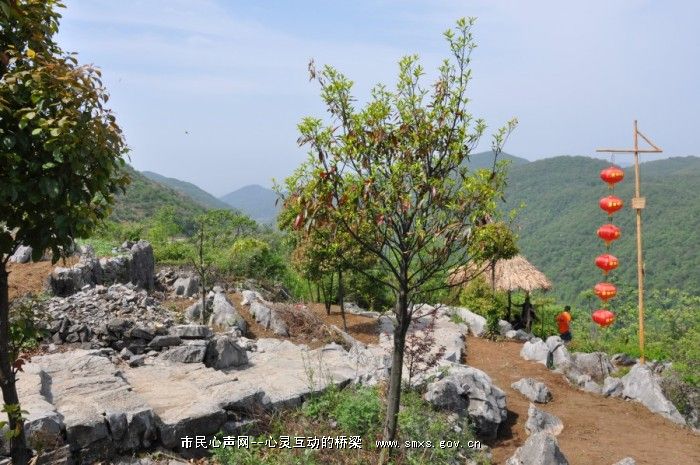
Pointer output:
x,y
211,91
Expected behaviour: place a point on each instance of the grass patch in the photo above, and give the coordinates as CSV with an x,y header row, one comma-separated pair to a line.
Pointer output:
x,y
359,411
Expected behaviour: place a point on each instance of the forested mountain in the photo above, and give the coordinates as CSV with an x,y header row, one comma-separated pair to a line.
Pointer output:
x,y
144,197
256,201
192,191
558,224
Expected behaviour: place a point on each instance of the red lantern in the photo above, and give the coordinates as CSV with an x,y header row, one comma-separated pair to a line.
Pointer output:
x,y
603,317
605,291
610,204
606,262
609,232
612,175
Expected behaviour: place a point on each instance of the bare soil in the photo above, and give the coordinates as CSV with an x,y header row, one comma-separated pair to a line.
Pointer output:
x,y
597,430
30,278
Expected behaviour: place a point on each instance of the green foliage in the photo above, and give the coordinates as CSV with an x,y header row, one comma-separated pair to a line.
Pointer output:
x,y
62,151
561,215
189,190
672,319
260,455
253,258
419,421
144,198
357,411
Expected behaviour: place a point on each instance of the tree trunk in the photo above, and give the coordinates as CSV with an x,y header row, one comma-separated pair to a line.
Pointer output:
x,y
327,295
318,292
510,316
18,445
341,299
394,395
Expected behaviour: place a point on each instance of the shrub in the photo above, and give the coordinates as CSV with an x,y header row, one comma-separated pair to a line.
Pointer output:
x,y
357,411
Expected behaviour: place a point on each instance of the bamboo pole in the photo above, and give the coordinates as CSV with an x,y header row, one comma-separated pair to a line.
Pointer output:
x,y
638,205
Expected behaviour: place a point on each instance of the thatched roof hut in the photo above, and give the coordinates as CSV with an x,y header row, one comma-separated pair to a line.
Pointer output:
x,y
510,275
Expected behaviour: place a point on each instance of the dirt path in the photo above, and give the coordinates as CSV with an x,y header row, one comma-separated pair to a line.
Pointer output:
x,y
597,430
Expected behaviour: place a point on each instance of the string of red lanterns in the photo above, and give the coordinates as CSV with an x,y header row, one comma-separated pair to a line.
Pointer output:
x,y
608,233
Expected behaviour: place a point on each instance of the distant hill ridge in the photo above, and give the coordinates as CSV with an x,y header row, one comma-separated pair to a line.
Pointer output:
x,y
202,197
556,227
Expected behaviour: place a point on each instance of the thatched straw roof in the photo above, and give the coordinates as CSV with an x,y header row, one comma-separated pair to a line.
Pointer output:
x,y
512,274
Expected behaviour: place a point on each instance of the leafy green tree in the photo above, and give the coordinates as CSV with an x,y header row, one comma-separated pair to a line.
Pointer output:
x,y
215,229
393,176
61,158
323,251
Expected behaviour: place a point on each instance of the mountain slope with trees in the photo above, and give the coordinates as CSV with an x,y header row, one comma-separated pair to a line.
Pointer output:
x,y
144,197
199,195
558,224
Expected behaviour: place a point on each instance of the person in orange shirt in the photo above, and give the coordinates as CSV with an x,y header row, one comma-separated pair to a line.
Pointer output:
x,y
563,320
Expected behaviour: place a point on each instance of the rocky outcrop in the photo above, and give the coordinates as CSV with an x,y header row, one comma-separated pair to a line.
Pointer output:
x,y
612,387
595,364
136,266
117,316
539,449
476,323
539,421
536,350
23,254
534,390
518,335
642,385
186,286
467,390
224,352
626,461
264,313
224,314
99,406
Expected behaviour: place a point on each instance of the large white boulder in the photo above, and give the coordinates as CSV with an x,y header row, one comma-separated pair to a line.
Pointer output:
x,y
642,385
539,449
536,350
470,391
534,390
539,421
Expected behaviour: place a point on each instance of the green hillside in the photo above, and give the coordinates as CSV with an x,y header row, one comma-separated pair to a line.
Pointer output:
x,y
255,201
202,197
559,222
144,197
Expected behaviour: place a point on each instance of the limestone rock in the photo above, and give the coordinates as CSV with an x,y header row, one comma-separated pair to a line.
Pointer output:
x,y
540,421
186,286
161,342
190,353
250,296
642,385
518,335
612,387
268,317
142,265
486,403
539,449
595,364
23,254
476,323
536,350
534,390
191,331
224,314
504,327
223,352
